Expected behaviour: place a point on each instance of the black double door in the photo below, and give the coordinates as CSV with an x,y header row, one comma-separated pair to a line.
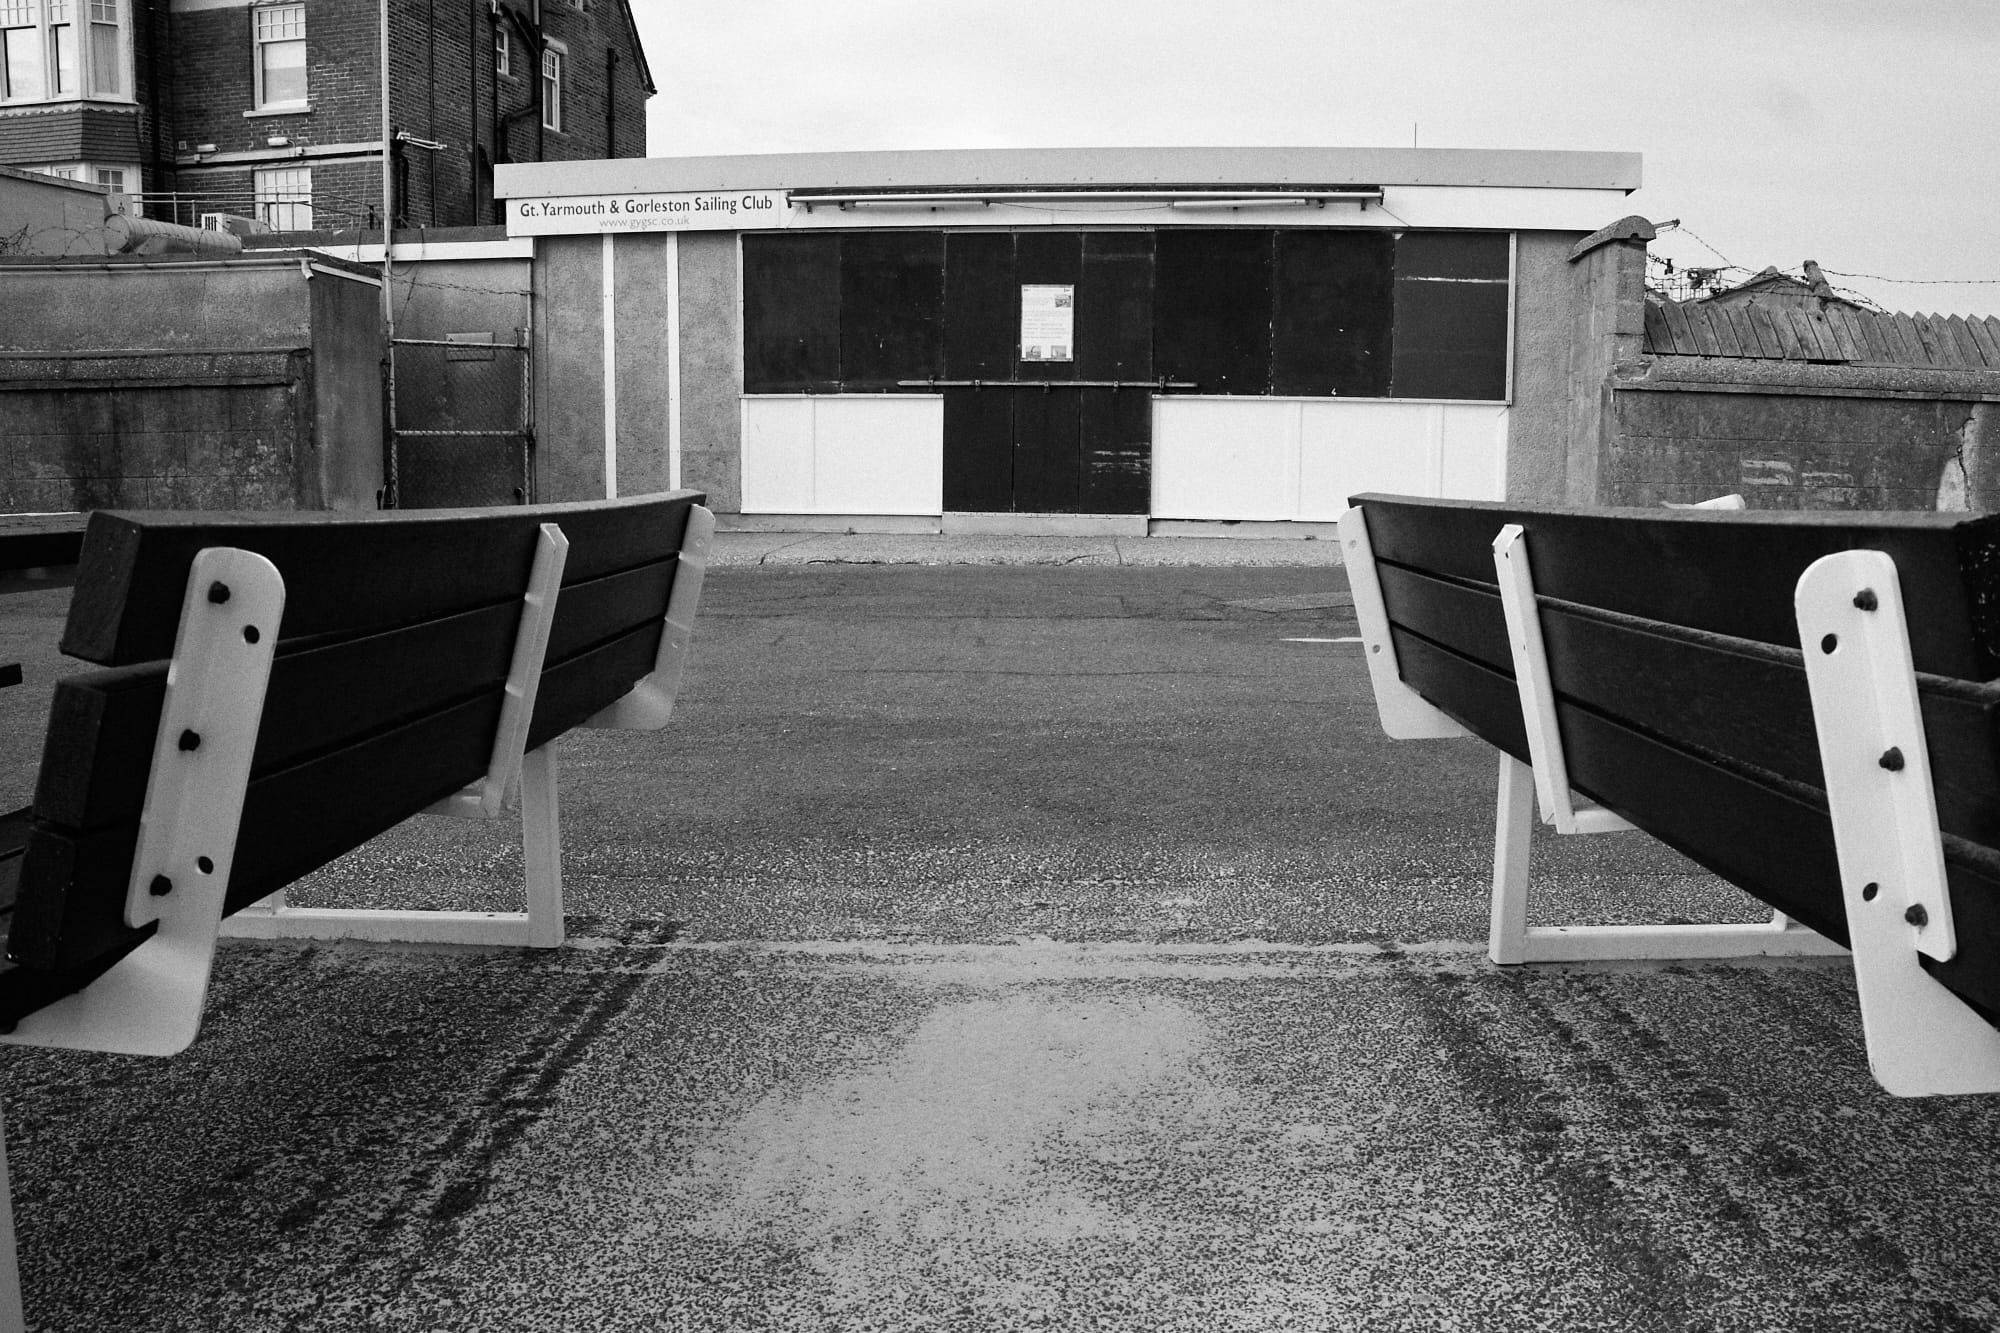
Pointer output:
x,y
1064,433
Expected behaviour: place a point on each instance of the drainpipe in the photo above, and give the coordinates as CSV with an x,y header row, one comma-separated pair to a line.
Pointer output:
x,y
610,102
431,116
472,108
531,38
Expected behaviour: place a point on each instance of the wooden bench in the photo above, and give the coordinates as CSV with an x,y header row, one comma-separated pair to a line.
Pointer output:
x,y
276,689
1804,703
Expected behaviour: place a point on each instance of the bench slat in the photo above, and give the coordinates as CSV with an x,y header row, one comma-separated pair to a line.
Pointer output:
x,y
297,819
101,723
418,564
1741,702
1614,558
13,837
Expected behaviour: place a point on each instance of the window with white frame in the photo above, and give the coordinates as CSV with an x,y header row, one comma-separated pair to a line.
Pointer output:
x,y
503,51
63,72
62,49
107,47
552,87
279,59
284,198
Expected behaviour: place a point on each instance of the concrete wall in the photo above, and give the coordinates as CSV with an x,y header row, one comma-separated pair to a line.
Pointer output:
x,y
167,431
40,215
712,369
1799,447
201,385
569,369
641,302
569,365
1647,429
178,307
1539,423
1608,329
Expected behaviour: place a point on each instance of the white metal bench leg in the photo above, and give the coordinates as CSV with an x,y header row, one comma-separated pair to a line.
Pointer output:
x,y
1513,827
541,846
1546,783
1922,1039
486,799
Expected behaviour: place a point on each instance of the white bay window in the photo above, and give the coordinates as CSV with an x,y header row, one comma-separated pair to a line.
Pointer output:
x,y
61,50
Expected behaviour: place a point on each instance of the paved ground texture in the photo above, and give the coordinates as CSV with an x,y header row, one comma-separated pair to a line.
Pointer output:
x,y
990,948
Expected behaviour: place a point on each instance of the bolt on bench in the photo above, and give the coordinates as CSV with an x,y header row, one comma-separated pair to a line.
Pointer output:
x,y
1805,704
279,688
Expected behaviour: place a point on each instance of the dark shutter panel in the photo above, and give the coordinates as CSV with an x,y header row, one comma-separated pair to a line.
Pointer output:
x,y
978,450
1330,333
1212,307
891,309
1451,315
979,306
791,313
1114,307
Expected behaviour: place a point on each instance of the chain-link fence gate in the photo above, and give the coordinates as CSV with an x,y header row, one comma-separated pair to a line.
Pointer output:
x,y
461,422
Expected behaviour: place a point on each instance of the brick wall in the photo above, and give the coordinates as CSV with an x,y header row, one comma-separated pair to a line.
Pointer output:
x,y
441,64
444,90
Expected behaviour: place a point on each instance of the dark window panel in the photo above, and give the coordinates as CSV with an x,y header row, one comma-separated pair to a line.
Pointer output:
x,y
791,313
1331,328
1212,309
980,305
1114,308
891,308
1452,254
1451,339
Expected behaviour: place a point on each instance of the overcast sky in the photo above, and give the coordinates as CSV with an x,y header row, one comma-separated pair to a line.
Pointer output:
x,y
1864,134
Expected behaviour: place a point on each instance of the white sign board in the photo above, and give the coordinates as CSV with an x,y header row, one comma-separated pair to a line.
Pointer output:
x,y
592,214
1048,322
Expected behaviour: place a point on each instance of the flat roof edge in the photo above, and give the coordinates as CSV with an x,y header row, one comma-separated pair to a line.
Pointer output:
x,y
1027,168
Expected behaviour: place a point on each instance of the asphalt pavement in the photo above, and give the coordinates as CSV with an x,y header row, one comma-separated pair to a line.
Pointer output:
x,y
1006,933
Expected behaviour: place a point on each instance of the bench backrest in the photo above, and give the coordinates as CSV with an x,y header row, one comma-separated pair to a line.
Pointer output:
x,y
384,696
1680,685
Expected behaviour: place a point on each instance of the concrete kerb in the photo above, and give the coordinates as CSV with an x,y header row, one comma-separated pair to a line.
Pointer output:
x,y
819,548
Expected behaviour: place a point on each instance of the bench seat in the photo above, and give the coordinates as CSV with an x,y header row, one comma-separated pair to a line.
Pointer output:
x,y
1680,688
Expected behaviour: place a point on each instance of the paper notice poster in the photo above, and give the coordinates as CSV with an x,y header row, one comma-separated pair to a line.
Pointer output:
x,y
1048,323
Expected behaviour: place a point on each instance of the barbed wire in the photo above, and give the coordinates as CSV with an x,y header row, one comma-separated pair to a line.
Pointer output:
x,y
1916,282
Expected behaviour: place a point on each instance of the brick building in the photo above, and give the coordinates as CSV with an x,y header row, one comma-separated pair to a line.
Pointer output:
x,y
273,111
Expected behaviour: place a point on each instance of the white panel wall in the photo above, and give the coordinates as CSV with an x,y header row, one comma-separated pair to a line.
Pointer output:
x,y
777,455
1299,459
843,454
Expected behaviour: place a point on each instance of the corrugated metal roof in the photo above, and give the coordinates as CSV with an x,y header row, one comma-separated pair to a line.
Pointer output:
x,y
1833,334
